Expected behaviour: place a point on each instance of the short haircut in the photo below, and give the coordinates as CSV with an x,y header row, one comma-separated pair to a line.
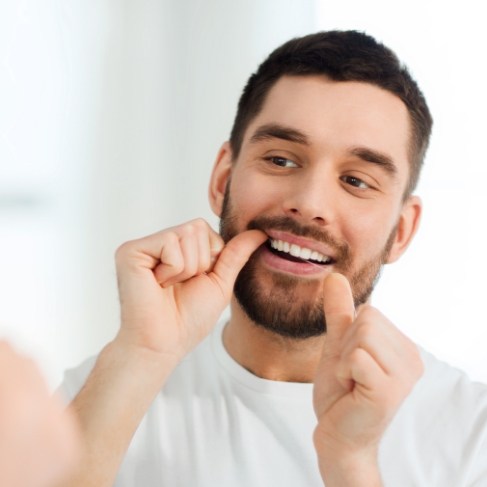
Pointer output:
x,y
340,56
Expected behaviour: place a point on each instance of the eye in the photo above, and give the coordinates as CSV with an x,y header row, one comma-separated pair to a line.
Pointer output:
x,y
355,182
281,161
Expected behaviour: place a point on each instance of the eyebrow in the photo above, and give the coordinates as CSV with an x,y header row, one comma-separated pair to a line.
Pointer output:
x,y
375,157
275,131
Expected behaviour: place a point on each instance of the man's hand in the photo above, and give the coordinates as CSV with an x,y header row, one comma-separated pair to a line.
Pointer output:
x,y
174,284
38,437
367,369
173,287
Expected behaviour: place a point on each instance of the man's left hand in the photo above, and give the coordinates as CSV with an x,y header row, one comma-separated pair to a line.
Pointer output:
x,y
368,367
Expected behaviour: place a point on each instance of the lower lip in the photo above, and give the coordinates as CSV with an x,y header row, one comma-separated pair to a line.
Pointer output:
x,y
276,263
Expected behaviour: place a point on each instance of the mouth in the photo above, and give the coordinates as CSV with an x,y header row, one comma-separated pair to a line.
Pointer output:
x,y
295,253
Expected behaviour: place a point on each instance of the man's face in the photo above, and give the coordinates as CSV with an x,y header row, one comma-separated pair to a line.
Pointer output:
x,y
322,170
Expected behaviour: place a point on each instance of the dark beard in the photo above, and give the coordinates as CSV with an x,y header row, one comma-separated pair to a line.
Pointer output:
x,y
280,307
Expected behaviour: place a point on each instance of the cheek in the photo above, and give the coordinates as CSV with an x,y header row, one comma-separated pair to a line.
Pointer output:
x,y
250,197
368,233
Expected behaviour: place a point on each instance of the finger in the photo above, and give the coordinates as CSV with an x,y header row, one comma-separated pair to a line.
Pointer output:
x,y
204,253
361,369
338,305
190,252
171,259
234,256
373,332
215,244
196,250
149,252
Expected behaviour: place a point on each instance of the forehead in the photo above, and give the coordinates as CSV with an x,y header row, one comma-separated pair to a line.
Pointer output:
x,y
335,116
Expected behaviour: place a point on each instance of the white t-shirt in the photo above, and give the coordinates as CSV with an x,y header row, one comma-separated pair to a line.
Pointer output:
x,y
216,424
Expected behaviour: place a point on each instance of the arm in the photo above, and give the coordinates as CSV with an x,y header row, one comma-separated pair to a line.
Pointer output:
x,y
38,437
368,368
173,286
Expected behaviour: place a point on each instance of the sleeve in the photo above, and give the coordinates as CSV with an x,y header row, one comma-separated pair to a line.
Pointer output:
x,y
478,470
74,379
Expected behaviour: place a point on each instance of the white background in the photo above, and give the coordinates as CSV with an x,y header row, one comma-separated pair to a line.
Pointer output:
x,y
111,113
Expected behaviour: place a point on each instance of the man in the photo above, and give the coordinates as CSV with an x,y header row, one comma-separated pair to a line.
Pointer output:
x,y
38,438
307,383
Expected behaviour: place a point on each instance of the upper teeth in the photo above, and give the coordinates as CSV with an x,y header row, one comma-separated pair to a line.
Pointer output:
x,y
297,251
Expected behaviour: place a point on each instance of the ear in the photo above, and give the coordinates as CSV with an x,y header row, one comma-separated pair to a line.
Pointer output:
x,y
407,227
220,176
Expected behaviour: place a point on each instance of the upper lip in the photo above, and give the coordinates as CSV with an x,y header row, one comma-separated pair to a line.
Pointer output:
x,y
302,242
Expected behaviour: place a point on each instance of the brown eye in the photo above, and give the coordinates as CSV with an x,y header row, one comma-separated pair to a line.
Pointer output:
x,y
281,161
356,182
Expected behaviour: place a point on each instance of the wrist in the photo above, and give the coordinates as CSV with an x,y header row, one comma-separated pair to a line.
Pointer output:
x,y
141,361
350,472
344,466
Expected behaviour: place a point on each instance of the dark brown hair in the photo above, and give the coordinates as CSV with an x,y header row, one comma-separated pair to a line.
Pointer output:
x,y
340,56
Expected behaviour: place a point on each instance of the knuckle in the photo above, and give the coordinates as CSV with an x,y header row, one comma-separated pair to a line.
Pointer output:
x,y
369,313
170,239
177,267
417,364
123,250
188,230
190,268
194,227
365,331
356,357
200,223
204,262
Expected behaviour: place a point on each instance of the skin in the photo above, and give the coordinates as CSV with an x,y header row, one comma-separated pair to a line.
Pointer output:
x,y
174,284
366,373
316,192
38,437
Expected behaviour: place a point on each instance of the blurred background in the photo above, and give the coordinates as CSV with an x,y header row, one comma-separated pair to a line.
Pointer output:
x,y
111,114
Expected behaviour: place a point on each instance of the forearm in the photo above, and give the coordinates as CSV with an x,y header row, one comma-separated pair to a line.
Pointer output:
x,y
110,407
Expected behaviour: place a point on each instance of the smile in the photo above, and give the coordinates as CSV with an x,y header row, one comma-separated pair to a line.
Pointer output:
x,y
295,252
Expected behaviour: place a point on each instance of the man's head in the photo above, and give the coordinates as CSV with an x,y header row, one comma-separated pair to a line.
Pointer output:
x,y
340,56
322,162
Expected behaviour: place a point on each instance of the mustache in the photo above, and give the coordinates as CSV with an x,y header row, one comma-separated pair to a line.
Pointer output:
x,y
287,224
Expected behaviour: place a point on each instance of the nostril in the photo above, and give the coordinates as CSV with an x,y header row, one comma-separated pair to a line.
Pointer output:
x,y
317,219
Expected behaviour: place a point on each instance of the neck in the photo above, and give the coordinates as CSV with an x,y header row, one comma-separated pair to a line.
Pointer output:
x,y
268,355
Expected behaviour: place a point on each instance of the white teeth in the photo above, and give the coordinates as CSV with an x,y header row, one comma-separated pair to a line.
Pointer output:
x,y
305,254
297,251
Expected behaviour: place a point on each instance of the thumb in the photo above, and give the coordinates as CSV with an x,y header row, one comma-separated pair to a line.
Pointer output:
x,y
234,256
339,307
339,315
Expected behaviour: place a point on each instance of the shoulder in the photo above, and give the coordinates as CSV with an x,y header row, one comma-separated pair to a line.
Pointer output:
x,y
195,370
445,402
450,387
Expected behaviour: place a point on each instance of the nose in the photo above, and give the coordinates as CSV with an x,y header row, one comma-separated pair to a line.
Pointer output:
x,y
311,198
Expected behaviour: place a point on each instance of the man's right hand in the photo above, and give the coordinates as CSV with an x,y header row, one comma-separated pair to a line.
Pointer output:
x,y
174,285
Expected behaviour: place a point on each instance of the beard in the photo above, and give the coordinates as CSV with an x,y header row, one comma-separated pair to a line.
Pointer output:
x,y
291,306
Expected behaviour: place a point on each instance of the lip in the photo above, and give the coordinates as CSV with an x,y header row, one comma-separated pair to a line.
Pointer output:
x,y
302,242
278,264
